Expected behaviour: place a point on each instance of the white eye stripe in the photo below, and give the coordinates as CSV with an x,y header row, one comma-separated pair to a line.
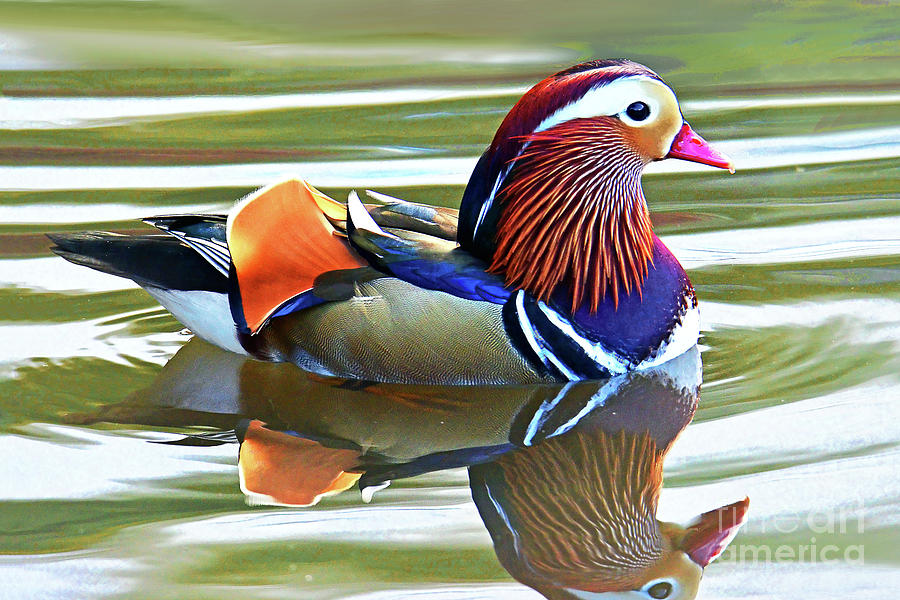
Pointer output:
x,y
612,99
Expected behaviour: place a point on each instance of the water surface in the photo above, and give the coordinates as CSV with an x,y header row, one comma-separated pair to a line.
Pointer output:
x,y
112,114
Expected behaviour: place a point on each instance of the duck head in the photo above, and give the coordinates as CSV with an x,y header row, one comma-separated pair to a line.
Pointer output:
x,y
556,198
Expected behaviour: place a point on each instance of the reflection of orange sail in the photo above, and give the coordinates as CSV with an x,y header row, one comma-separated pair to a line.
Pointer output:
x,y
280,469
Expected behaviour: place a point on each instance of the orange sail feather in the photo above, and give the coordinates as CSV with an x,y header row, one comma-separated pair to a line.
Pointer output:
x,y
280,241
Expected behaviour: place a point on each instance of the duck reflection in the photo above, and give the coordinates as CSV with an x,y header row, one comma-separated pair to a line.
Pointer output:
x,y
565,477
575,516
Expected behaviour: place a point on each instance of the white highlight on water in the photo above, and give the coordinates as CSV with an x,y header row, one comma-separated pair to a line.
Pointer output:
x,y
822,240
53,112
748,154
85,112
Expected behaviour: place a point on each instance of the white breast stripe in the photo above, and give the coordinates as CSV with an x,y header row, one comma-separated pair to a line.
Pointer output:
x,y
595,351
540,349
525,324
570,374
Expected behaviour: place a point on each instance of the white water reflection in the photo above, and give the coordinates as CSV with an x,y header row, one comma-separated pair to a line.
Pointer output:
x,y
35,214
831,239
472,591
21,113
801,463
736,104
772,580
52,274
881,313
30,344
17,53
445,522
748,154
60,576
71,113
838,460
395,172
842,426
759,582
74,463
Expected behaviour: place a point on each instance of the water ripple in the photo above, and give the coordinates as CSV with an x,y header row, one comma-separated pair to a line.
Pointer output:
x,y
104,339
86,112
38,213
23,113
748,154
879,236
93,474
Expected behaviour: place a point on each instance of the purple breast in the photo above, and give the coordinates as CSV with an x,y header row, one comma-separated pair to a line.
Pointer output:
x,y
642,321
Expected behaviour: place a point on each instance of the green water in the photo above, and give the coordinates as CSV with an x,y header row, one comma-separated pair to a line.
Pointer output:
x,y
794,259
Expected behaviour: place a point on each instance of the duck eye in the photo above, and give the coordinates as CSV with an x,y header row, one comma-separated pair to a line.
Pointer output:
x,y
638,111
663,588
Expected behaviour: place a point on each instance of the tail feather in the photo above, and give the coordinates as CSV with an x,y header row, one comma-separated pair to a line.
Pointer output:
x,y
154,260
204,233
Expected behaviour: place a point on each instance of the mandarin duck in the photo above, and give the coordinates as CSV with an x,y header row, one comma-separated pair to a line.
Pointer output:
x,y
550,270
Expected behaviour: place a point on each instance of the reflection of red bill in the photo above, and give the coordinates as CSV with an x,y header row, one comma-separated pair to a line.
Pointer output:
x,y
709,535
690,146
284,470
